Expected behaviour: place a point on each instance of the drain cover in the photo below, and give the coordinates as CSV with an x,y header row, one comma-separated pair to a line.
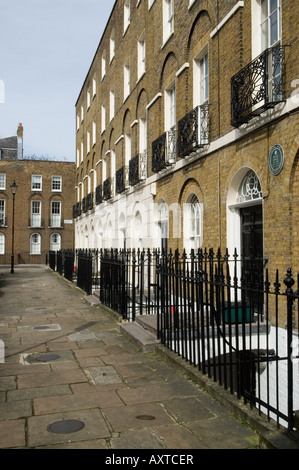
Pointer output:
x,y
145,417
43,358
41,327
66,426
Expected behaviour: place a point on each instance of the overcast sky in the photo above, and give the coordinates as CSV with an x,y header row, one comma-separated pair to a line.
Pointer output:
x,y
46,49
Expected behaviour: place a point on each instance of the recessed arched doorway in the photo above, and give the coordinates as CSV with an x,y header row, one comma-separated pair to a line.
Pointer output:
x,y
245,232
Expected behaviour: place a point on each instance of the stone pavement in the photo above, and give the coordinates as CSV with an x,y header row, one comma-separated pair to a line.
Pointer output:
x,y
72,380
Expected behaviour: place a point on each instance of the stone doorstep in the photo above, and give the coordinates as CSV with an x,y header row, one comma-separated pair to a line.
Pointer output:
x,y
140,336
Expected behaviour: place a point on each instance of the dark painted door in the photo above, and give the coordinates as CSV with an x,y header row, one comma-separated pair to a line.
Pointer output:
x,y
252,252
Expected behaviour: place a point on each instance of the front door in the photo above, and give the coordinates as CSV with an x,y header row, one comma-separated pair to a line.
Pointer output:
x,y
252,253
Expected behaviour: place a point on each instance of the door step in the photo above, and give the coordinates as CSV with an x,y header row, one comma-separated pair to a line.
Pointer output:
x,y
142,332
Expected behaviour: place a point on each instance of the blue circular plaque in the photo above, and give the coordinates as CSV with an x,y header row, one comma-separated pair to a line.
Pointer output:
x,y
276,159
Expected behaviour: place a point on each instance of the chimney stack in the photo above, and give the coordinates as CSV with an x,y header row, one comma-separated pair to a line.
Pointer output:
x,y
20,130
20,141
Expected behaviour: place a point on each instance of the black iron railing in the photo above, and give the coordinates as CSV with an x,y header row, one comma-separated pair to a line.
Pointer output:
x,y
121,179
258,86
164,151
137,168
89,201
107,189
84,205
193,130
238,329
99,195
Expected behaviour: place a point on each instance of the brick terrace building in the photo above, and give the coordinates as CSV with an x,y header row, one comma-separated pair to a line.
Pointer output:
x,y
43,204
188,129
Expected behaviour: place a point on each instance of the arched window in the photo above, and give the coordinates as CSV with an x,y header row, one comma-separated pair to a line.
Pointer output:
x,y
192,223
55,242
249,189
163,225
2,244
35,244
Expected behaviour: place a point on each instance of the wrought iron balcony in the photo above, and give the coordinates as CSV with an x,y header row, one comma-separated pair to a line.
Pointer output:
x,y
122,179
193,130
84,205
76,210
107,189
89,201
164,151
99,197
258,86
137,168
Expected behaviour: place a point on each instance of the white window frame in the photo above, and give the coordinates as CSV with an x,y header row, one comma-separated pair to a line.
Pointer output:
x,y
150,3
127,87
201,78
170,107
128,148
94,133
112,105
82,114
35,246
82,150
55,245
78,158
127,13
56,214
192,213
36,214
87,142
266,22
3,181
104,169
2,244
88,100
103,118
112,46
142,134
141,56
56,180
168,19
94,88
34,181
78,122
103,70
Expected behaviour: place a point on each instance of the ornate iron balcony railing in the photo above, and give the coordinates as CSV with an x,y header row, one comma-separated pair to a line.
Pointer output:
x,y
107,189
84,205
99,197
77,210
193,130
258,86
122,179
137,168
89,201
164,151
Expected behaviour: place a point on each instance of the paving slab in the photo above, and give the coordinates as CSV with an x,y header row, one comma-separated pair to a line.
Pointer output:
x,y
94,428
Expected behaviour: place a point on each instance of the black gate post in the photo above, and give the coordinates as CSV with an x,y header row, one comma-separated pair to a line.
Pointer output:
x,y
289,282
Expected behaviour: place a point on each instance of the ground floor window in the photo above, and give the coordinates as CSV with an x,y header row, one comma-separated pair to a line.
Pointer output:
x,y
55,242
35,244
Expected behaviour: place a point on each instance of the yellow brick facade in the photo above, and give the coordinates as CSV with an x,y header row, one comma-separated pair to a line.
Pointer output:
x,y
229,32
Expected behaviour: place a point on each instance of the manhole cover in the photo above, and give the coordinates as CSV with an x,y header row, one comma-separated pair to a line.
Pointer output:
x,y
41,327
43,358
146,417
66,426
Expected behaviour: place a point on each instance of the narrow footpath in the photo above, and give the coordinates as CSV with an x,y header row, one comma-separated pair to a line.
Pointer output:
x,y
70,379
